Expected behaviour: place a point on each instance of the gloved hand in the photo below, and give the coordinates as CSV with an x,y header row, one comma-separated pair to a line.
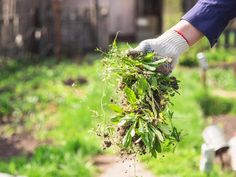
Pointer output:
x,y
170,44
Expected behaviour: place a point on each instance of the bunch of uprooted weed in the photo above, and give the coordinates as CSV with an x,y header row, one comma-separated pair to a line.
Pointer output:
x,y
143,121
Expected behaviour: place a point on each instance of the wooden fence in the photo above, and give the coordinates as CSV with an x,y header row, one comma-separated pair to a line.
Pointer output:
x,y
70,27
44,27
15,23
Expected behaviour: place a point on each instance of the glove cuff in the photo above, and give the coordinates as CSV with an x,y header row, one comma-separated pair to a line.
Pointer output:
x,y
173,43
181,34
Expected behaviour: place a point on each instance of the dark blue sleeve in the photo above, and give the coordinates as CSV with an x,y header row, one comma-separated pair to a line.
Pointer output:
x,y
211,17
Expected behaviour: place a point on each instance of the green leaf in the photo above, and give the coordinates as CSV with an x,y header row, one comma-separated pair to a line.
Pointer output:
x,y
141,126
145,139
157,132
151,101
127,119
148,113
151,136
122,122
116,119
158,146
133,132
114,45
127,139
176,134
130,95
154,153
158,62
150,68
142,86
149,56
116,108
154,83
165,129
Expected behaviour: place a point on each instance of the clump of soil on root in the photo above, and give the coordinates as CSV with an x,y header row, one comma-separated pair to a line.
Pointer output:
x,y
142,118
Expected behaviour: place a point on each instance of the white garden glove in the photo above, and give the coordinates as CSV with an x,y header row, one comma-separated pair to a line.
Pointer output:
x,y
170,44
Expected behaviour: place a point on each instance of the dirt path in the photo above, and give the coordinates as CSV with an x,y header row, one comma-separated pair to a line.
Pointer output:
x,y
225,94
111,166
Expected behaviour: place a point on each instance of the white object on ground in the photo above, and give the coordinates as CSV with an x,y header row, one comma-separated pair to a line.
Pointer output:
x,y
207,157
214,137
232,152
202,60
8,175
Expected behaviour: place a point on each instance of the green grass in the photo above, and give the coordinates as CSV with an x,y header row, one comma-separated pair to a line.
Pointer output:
x,y
213,55
219,55
65,115
212,105
222,79
39,97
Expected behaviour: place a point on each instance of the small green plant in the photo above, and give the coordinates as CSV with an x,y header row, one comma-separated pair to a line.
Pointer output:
x,y
143,120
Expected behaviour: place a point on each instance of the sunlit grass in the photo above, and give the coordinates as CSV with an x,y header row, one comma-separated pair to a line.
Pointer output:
x,y
65,115
55,112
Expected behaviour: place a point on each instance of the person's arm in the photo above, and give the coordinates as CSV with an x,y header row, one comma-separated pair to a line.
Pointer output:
x,y
207,18
189,32
172,43
211,17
